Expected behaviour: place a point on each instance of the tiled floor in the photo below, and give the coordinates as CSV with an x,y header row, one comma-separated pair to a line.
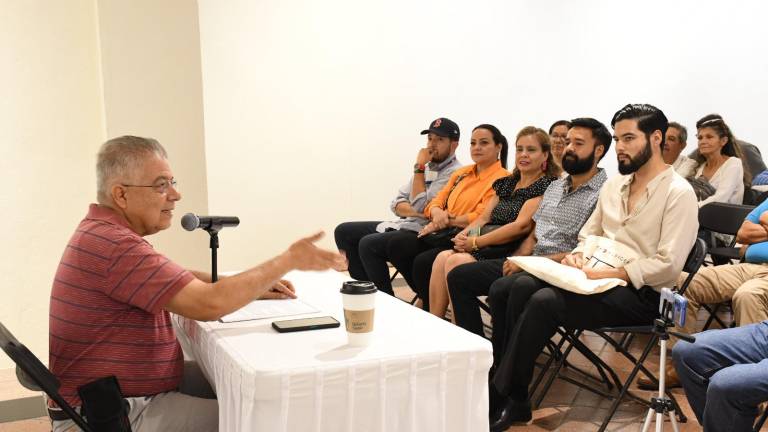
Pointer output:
x,y
34,425
566,407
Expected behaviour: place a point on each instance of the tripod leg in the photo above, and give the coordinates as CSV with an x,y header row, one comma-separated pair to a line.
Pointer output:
x,y
648,418
673,420
659,421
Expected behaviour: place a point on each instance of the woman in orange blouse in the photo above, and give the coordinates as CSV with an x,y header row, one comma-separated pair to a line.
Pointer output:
x,y
511,210
461,201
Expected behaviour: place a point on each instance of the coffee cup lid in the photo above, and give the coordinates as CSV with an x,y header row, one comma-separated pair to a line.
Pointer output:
x,y
358,287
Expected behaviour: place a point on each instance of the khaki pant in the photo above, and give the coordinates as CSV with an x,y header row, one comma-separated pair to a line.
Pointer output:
x,y
192,408
746,285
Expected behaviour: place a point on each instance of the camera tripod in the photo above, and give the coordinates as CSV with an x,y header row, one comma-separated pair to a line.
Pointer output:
x,y
662,405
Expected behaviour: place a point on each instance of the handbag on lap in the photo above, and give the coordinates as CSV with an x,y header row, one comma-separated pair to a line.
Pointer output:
x,y
442,238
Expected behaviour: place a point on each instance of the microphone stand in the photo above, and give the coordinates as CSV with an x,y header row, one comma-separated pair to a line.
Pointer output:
x,y
213,231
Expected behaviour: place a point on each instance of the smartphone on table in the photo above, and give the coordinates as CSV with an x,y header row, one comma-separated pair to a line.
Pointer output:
x,y
303,324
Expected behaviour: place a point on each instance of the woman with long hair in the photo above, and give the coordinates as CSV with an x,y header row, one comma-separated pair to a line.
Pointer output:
x,y
719,162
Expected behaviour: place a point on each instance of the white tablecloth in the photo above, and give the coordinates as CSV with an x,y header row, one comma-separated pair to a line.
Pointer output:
x,y
419,373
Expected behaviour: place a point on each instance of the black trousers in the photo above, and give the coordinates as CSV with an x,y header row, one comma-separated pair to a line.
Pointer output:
x,y
369,251
465,283
413,258
527,312
348,236
422,272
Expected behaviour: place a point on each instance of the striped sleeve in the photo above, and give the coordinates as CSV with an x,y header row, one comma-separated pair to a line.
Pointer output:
x,y
144,278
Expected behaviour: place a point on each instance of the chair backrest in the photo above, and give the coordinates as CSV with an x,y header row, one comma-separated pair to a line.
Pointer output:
x,y
723,217
30,367
694,261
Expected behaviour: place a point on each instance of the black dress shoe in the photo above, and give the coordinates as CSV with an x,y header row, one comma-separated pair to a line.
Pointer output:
x,y
496,401
512,413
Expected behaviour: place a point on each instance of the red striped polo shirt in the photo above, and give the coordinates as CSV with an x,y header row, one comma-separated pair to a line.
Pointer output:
x,y
107,315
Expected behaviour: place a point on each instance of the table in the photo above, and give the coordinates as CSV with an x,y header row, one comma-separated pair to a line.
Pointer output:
x,y
419,373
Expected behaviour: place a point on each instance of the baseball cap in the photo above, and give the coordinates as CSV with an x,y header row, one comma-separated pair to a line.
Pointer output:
x,y
443,127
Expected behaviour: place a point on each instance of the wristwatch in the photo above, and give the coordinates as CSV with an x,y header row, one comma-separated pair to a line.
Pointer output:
x,y
419,168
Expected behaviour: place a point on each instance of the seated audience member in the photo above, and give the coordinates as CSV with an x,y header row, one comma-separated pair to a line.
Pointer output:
x,y
506,219
113,292
458,204
557,135
752,158
565,206
719,162
750,153
761,179
674,143
725,376
366,244
759,191
649,209
745,284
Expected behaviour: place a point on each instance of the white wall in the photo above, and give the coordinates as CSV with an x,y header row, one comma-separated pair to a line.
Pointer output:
x,y
313,109
150,55
75,73
51,123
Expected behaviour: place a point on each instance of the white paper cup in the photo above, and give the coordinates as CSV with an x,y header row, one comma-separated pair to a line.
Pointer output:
x,y
359,299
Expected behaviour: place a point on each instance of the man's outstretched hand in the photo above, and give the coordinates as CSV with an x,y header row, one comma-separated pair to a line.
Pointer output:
x,y
305,255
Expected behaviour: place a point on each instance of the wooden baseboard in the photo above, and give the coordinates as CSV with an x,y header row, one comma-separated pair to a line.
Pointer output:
x,y
22,409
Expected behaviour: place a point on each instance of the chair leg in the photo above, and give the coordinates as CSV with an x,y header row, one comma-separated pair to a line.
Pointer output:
x,y
394,275
761,421
639,366
589,355
629,381
563,362
713,317
553,372
623,341
555,356
628,342
601,366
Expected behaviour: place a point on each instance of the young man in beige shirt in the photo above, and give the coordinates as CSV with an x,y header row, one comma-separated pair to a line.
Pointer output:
x,y
650,209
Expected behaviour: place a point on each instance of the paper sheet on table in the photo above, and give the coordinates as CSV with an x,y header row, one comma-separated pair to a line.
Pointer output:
x,y
261,309
563,276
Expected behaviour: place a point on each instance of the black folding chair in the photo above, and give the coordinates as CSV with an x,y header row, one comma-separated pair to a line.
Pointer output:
x,y
554,353
722,218
761,421
693,263
726,219
29,369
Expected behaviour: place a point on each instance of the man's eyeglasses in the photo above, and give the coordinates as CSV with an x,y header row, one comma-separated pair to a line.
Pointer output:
x,y
559,136
161,186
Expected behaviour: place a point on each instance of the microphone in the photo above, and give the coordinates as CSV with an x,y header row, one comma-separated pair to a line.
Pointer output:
x,y
191,222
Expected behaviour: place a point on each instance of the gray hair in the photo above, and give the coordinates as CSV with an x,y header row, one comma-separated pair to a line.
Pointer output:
x,y
680,128
120,159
